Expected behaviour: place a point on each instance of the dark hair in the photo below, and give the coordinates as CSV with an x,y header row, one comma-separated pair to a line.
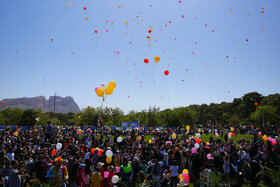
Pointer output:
x,y
13,162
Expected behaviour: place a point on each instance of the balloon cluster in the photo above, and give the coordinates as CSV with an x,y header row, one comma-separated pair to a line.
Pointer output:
x,y
109,155
100,151
184,178
272,140
106,89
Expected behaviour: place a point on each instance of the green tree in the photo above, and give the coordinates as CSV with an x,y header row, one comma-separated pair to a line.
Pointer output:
x,y
265,114
12,116
43,118
28,118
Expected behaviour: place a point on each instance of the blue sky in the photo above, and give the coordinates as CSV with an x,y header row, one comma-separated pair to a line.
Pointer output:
x,y
197,35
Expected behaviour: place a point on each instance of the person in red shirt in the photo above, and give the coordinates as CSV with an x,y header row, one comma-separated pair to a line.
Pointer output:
x,y
111,174
81,175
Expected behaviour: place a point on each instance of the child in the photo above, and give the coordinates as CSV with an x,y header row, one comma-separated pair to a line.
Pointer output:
x,y
111,174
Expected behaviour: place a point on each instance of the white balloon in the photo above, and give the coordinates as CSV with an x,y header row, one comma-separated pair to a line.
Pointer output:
x,y
196,145
58,146
229,135
104,85
197,135
182,183
115,179
119,139
109,153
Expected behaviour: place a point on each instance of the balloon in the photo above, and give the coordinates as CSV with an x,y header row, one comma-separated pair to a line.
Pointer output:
x,y
273,141
269,139
208,156
108,91
184,175
188,140
146,60
92,151
181,182
166,72
100,92
2,102
106,174
198,140
256,104
100,151
58,146
231,129
104,85
119,139
216,134
85,8
264,138
233,134
109,160
181,177
115,179
193,150
156,58
117,169
187,180
150,141
186,171
188,127
112,84
173,136
259,133
196,145
53,152
96,89
109,153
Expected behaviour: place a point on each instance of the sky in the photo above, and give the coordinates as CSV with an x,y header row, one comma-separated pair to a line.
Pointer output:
x,y
214,50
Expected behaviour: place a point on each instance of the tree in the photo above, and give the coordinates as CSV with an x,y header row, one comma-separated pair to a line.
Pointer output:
x,y
43,118
28,118
12,116
265,114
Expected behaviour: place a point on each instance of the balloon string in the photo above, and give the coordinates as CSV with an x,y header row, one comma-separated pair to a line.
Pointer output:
x,y
99,117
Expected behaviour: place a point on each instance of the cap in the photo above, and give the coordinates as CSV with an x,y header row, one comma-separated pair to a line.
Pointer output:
x,y
82,165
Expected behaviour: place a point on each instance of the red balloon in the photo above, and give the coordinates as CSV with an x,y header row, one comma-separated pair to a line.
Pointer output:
x,y
92,151
53,152
232,134
100,151
2,102
149,31
256,104
198,140
95,31
82,149
166,72
85,8
146,60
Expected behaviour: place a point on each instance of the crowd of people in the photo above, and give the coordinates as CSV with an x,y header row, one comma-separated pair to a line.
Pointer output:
x,y
107,157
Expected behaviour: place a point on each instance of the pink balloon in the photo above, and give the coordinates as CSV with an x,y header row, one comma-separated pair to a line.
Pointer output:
x,y
187,180
184,175
259,133
96,88
209,156
273,141
216,134
106,174
117,169
193,150
269,139
188,140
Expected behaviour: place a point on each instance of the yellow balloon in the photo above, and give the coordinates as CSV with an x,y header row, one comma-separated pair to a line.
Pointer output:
x,y
100,92
181,177
69,4
109,160
157,59
186,171
231,129
112,84
150,141
188,127
108,91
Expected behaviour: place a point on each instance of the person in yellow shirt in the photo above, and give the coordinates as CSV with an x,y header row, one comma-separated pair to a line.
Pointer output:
x,y
95,178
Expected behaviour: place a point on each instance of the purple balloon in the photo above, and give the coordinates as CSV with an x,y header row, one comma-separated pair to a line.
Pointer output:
x,y
193,150
117,169
187,180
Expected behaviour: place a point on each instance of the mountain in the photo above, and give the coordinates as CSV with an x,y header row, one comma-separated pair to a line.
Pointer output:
x,y
62,105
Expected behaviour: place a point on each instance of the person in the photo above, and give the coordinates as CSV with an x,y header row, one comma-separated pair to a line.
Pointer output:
x,y
156,172
5,172
95,178
15,175
81,176
58,173
48,132
111,174
126,173
174,173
